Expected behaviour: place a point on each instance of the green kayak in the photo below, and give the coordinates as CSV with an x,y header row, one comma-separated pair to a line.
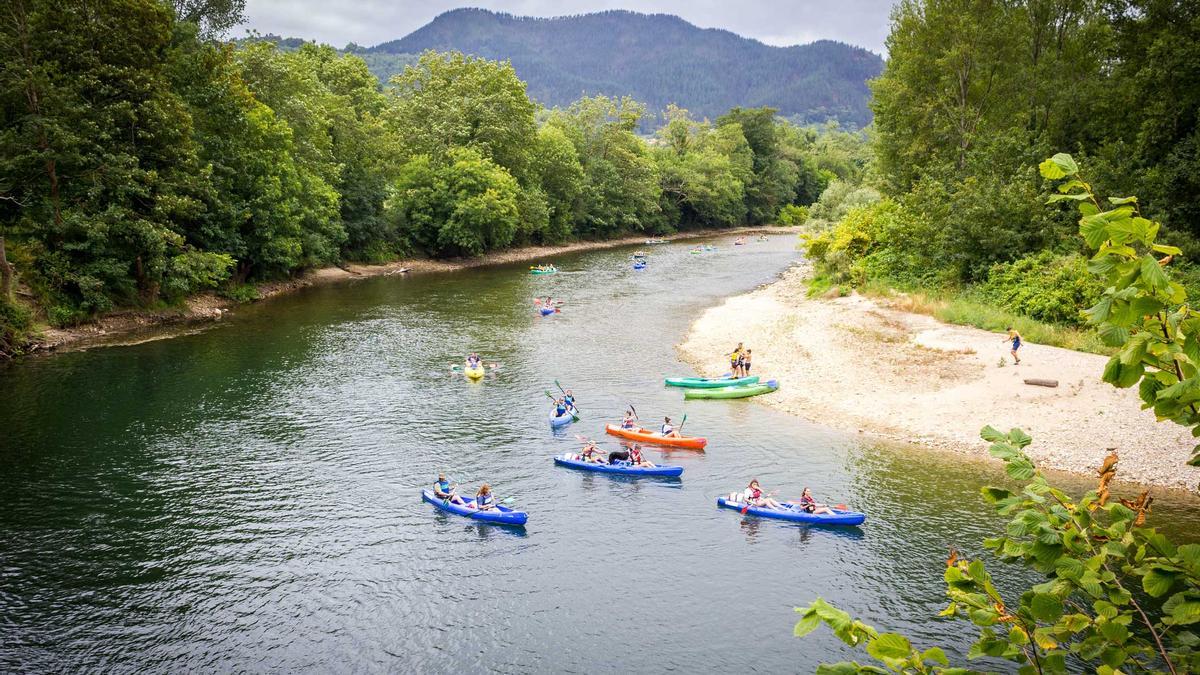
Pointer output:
x,y
543,270
709,382
734,392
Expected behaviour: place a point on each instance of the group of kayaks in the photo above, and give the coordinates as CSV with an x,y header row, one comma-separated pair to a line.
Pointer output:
x,y
722,387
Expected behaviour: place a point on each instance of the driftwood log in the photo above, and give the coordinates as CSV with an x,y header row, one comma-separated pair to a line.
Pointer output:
x,y
1038,382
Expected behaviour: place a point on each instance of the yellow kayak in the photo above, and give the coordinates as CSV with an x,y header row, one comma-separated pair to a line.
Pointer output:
x,y
474,373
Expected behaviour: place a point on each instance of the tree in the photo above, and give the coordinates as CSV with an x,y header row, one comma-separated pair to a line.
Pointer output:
x,y
463,204
211,17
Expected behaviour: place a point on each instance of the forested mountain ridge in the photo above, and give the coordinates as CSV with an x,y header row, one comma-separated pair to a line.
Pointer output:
x,y
657,59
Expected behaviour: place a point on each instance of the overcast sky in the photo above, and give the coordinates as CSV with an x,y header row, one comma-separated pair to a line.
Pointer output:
x,y
776,22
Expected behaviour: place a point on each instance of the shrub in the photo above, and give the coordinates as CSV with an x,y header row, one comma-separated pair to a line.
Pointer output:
x,y
792,214
1047,287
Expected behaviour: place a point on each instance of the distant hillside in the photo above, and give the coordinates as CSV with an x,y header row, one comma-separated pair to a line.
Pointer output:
x,y
657,59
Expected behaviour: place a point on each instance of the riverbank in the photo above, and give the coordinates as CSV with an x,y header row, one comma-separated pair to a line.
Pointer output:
x,y
860,363
133,326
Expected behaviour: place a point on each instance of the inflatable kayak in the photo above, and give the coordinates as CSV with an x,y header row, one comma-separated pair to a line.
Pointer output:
x,y
798,515
549,270
546,311
501,515
639,266
624,468
734,392
647,436
709,382
562,421
474,373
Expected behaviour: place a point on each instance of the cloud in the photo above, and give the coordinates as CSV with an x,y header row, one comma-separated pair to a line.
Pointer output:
x,y
775,22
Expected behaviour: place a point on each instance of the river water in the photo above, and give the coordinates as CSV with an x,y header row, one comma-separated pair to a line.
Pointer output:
x,y
246,498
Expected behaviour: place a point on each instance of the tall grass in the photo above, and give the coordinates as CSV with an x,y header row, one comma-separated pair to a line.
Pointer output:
x,y
963,309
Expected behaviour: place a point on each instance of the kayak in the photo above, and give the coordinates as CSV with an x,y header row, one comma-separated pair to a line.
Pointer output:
x,y
474,373
557,421
546,311
709,382
734,392
552,270
647,436
625,468
656,241
501,515
838,517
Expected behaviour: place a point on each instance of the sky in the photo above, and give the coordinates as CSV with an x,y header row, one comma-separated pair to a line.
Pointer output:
x,y
776,22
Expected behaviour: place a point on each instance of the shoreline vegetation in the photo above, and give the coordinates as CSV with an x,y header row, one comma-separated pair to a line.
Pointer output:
x,y
133,326
868,364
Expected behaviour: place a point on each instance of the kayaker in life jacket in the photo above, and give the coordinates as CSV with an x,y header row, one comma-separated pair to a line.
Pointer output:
x,y
442,489
629,422
810,505
636,457
560,407
591,453
755,496
484,499
668,429
569,399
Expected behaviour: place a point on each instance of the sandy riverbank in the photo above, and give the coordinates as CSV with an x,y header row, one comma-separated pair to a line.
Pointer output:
x,y
853,362
132,326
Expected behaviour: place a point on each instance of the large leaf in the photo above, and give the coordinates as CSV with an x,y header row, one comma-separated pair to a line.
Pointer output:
x,y
889,646
1153,274
1059,166
1158,582
1045,607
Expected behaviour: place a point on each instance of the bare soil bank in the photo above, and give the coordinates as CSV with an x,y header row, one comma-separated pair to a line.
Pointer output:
x,y
853,362
133,326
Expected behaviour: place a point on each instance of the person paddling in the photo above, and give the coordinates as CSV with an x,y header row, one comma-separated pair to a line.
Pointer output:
x,y
1015,337
443,490
560,407
636,457
484,499
629,422
591,453
756,497
569,399
668,429
810,505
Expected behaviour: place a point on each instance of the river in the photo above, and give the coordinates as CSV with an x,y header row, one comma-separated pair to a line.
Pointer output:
x,y
246,498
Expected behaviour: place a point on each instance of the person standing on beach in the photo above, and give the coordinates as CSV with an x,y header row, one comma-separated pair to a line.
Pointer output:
x,y
1015,337
735,361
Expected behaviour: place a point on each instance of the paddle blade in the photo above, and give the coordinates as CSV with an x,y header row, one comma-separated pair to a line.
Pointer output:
x,y
745,509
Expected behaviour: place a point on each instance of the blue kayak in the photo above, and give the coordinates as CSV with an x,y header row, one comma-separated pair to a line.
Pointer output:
x,y
501,515
838,517
639,266
624,468
562,421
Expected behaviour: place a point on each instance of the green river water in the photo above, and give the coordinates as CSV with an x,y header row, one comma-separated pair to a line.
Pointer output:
x,y
246,498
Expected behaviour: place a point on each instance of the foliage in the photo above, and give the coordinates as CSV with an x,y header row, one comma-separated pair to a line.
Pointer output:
x,y
462,205
792,214
1142,311
1117,596
1045,286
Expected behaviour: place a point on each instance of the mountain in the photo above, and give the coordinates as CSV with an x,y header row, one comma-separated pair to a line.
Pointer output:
x,y
655,58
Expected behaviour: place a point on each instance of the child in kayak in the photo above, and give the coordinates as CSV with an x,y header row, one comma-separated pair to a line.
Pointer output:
x,y
484,499
668,429
443,490
637,459
569,399
1016,344
810,505
560,407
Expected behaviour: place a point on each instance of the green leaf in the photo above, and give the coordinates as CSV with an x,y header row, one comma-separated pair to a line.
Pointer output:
x,y
1158,582
1122,200
1045,607
1019,438
1073,197
1168,250
889,646
1153,274
1059,166
1184,613
807,624
991,434
936,655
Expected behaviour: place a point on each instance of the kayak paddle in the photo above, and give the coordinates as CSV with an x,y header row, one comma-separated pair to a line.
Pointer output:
x,y
680,428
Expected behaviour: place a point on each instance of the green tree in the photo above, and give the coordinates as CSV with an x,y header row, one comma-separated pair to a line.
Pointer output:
x,y
464,204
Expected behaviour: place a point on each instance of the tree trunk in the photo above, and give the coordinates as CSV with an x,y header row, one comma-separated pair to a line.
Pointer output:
x,y
6,274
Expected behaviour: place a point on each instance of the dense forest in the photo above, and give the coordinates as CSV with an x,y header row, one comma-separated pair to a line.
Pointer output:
x,y
138,171
657,59
974,96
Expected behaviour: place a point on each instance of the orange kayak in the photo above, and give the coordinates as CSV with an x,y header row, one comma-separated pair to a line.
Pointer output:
x,y
647,436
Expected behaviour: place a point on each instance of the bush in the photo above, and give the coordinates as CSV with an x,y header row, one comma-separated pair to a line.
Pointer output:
x,y
792,214
191,271
241,293
14,323
1046,286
